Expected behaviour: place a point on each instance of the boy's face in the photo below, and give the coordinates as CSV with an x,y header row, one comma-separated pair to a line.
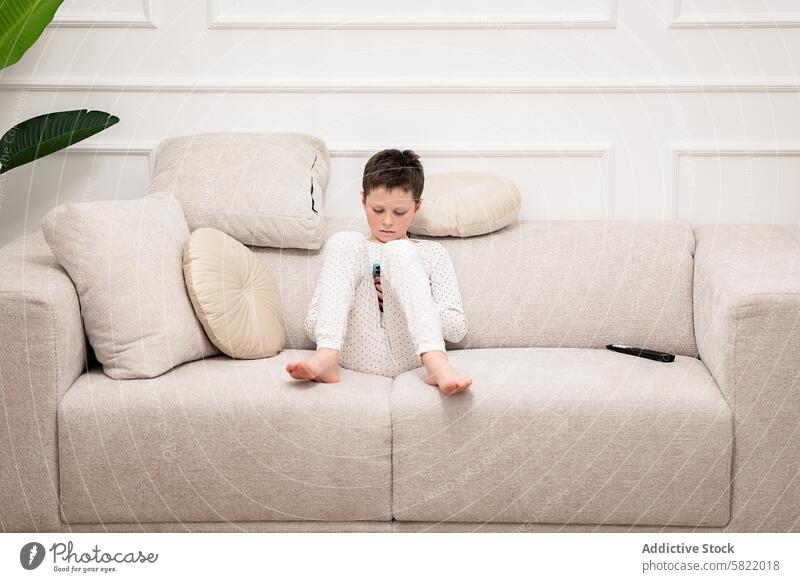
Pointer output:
x,y
390,212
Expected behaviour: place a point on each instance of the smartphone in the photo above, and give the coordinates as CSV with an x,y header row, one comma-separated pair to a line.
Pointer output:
x,y
376,272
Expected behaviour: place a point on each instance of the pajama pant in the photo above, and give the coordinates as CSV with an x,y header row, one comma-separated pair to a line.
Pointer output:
x,y
347,318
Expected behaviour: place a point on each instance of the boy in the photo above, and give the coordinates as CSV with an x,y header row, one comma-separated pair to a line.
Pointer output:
x,y
423,304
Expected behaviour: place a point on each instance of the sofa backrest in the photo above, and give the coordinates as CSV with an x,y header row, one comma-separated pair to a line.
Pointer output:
x,y
564,283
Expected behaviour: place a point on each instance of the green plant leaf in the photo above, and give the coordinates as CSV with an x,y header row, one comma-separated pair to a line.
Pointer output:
x,y
21,25
48,133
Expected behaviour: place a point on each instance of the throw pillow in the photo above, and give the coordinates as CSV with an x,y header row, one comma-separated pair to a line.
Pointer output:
x,y
234,295
261,189
466,203
124,257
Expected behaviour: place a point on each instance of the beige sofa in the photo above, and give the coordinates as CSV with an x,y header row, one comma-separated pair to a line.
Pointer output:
x,y
557,433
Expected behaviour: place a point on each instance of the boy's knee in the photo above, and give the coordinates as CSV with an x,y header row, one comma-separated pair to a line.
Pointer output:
x,y
345,237
399,246
347,240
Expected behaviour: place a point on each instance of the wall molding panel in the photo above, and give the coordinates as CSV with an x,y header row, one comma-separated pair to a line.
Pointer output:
x,y
217,18
80,173
146,19
744,20
148,149
143,148
677,153
601,151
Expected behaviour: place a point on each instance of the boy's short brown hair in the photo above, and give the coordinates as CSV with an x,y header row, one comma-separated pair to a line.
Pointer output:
x,y
392,168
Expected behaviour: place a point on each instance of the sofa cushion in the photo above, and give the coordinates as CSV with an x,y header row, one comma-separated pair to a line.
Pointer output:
x,y
226,440
563,436
263,189
233,295
466,203
576,284
124,257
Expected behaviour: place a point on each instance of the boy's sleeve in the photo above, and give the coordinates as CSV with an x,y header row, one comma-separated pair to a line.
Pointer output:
x,y
447,296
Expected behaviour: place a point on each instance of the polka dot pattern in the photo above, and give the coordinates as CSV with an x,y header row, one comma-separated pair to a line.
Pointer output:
x,y
421,303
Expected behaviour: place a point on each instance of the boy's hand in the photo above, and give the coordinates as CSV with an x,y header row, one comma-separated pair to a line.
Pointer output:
x,y
377,280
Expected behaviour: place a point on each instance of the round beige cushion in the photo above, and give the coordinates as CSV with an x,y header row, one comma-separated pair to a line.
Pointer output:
x,y
233,294
466,203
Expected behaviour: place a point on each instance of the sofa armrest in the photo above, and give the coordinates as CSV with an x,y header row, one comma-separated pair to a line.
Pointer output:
x,y
42,352
747,326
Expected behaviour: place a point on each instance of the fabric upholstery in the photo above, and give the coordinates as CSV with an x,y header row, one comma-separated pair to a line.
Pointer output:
x,y
497,527
374,527
263,189
42,352
466,203
575,284
136,311
563,436
226,440
747,315
233,295
237,527
745,309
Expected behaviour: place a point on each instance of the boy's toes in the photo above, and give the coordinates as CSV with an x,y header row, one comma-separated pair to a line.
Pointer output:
x,y
451,387
301,371
461,385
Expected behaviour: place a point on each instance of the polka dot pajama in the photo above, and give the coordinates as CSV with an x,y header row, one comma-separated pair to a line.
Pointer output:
x,y
421,303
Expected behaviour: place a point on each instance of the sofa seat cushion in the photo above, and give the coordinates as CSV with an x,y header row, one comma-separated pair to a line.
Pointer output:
x,y
225,440
563,435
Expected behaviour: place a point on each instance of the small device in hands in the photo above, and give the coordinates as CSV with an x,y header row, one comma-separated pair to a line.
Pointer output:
x,y
642,353
376,272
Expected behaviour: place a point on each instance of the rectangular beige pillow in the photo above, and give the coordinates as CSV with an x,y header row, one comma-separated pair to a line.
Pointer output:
x,y
125,259
263,189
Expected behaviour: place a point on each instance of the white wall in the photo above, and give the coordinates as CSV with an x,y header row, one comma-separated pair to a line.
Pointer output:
x,y
600,109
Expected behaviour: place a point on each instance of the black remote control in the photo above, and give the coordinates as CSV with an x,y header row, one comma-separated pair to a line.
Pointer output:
x,y
376,272
642,353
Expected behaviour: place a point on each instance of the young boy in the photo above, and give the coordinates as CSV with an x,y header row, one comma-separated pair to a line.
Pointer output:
x,y
423,303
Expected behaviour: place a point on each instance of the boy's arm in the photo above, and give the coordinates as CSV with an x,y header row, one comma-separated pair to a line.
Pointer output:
x,y
447,296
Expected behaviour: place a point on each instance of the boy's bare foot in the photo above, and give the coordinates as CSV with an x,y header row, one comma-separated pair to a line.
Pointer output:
x,y
323,366
443,375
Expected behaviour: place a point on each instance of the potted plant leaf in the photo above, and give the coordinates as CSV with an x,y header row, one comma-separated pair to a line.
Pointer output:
x,y
21,24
